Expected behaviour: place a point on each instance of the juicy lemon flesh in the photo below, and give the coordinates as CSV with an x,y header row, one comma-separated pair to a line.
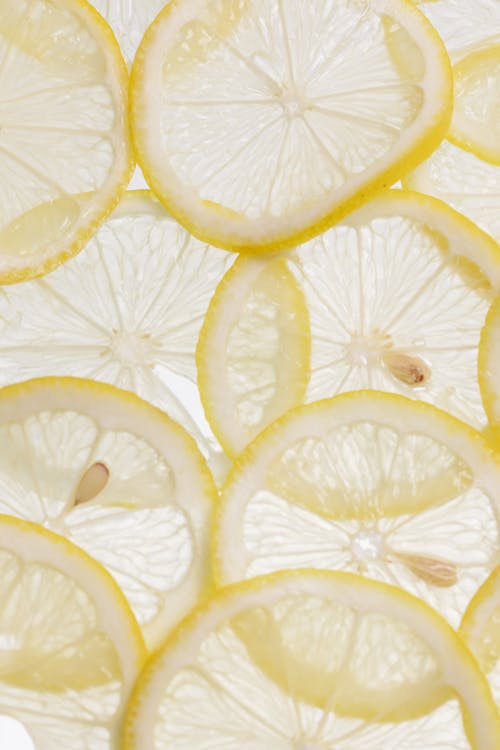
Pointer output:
x,y
60,675
476,114
258,366
485,644
469,184
369,497
489,367
45,457
64,152
129,20
256,93
127,311
250,665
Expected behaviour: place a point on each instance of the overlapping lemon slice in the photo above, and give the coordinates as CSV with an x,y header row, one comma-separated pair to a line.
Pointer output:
x,y
358,641
129,20
70,647
481,632
396,295
127,310
489,366
64,147
258,124
370,483
464,171
118,478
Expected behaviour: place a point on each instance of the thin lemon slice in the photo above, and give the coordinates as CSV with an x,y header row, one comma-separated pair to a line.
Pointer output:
x,y
129,20
118,478
70,647
127,310
467,183
489,364
258,124
204,689
64,148
253,351
369,483
476,115
481,632
464,25
396,295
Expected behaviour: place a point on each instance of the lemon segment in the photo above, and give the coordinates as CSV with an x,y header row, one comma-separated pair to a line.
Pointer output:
x,y
65,156
323,625
127,311
480,630
129,20
71,648
259,124
476,115
370,483
253,351
119,479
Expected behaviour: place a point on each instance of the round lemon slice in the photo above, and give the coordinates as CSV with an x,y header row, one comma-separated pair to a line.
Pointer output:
x,y
396,295
453,21
370,483
469,184
118,478
489,364
129,20
359,639
253,351
64,148
127,310
70,647
476,121
259,124
480,631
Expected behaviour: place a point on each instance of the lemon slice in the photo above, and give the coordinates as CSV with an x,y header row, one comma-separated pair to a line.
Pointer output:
x,y
480,630
253,351
489,364
370,483
258,124
396,295
70,647
127,310
464,25
64,149
348,633
476,115
467,183
129,20
118,478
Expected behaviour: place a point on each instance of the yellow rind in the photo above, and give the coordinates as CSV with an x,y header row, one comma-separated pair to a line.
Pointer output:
x,y
120,73
489,334
422,147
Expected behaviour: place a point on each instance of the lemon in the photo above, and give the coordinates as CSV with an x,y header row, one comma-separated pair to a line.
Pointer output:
x,y
464,25
370,483
489,365
259,124
360,639
119,479
70,647
396,295
476,115
127,310
65,156
479,629
129,20
253,351
469,184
